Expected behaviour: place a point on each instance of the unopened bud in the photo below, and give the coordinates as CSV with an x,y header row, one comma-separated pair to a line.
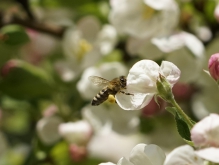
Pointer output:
x,y
164,88
77,153
213,66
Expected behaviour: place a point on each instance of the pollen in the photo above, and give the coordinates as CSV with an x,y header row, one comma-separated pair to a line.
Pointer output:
x,y
84,47
111,99
147,12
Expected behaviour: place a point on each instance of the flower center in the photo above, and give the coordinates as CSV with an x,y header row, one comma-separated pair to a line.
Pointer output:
x,y
84,47
148,12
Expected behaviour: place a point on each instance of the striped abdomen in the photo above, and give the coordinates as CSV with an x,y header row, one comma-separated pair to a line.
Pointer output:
x,y
100,97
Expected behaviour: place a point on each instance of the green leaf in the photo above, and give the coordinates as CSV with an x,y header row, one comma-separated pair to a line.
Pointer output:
x,y
60,153
14,35
7,52
209,11
182,128
24,81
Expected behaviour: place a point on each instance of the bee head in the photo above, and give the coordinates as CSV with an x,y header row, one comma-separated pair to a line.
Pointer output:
x,y
122,81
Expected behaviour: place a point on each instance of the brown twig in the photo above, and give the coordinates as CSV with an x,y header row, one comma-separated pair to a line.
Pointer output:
x,y
38,26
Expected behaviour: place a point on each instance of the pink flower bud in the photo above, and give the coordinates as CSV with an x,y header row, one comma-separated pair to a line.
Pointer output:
x,y
77,153
50,111
213,66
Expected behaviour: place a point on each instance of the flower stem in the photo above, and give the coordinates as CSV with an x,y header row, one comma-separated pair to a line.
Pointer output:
x,y
165,92
181,113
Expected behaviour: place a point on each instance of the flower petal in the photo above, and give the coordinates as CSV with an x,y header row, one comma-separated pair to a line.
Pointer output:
x,y
194,44
107,163
155,154
160,4
90,33
138,157
123,161
136,102
170,71
147,154
210,154
183,155
142,77
47,129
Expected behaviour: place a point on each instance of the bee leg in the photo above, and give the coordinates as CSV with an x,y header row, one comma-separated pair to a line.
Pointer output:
x,y
126,93
115,99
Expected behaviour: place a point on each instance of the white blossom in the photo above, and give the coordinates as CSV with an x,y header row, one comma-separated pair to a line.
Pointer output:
x,y
106,39
141,82
47,129
144,18
205,134
78,132
179,40
204,33
83,46
186,51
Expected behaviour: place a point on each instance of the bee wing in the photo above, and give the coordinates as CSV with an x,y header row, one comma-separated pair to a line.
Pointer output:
x,y
98,80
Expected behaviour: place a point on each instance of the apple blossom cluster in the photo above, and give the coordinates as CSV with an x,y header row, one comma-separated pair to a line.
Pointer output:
x,y
156,64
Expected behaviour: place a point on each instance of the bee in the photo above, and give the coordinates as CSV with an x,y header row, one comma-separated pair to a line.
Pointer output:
x,y
110,88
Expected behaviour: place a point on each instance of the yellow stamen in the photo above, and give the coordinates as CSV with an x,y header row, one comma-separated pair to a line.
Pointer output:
x,y
148,12
84,47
